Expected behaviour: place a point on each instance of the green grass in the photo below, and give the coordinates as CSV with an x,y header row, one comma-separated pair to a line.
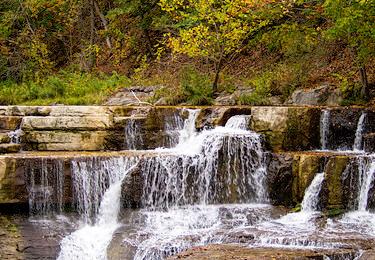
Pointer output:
x,y
69,88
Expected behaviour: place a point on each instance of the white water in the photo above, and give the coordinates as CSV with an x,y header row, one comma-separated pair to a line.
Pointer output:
x,y
188,131
15,136
238,122
184,196
295,229
367,176
45,186
91,241
357,146
311,198
173,125
181,186
324,129
133,136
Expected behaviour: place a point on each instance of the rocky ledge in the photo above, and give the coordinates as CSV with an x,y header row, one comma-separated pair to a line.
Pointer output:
x,y
236,252
98,128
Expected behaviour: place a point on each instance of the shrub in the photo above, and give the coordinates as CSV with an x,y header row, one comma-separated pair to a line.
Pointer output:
x,y
196,87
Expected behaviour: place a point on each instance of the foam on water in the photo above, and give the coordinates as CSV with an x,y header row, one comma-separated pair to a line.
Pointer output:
x,y
92,239
357,146
324,129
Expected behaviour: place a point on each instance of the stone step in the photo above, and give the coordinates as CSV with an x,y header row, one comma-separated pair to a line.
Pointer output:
x,y
10,122
4,138
9,148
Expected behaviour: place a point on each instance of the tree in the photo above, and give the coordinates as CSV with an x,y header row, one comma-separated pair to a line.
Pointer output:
x,y
353,22
214,29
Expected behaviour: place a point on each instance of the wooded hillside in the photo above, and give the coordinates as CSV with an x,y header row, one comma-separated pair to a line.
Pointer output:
x,y
81,51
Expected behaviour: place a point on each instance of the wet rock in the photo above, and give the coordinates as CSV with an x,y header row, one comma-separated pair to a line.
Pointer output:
x,y
305,167
4,137
10,239
334,170
10,122
224,252
280,179
369,142
65,140
12,184
287,128
132,189
9,148
322,95
342,128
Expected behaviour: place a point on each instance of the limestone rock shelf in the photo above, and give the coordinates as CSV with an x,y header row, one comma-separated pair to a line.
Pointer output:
x,y
96,128
224,252
289,173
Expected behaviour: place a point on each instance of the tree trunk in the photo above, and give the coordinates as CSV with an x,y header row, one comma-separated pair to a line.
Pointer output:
x,y
91,57
364,81
217,74
105,24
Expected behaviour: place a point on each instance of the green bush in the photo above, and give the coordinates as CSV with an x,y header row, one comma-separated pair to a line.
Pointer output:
x,y
196,87
262,90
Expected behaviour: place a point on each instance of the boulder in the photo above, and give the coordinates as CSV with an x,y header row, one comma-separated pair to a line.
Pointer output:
x,y
136,95
322,95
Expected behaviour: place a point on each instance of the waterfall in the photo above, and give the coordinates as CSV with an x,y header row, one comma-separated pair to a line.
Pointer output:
x,y
91,241
357,146
15,136
91,178
190,178
366,181
45,185
238,122
184,187
133,137
311,199
188,131
324,129
172,127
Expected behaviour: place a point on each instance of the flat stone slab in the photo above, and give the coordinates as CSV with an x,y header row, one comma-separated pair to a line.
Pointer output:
x,y
9,148
4,137
66,123
235,252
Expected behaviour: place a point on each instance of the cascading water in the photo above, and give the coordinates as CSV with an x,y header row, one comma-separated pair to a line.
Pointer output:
x,y
45,184
357,146
367,178
238,122
181,186
189,197
15,136
294,229
324,129
311,199
188,131
97,189
133,137
172,128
